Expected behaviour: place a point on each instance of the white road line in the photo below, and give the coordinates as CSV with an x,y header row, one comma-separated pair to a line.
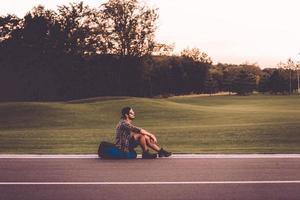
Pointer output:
x,y
152,183
175,156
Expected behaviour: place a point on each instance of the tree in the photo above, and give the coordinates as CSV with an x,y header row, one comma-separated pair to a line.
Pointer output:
x,y
297,66
196,55
41,48
279,81
130,27
244,83
264,83
81,27
289,66
8,24
35,30
161,49
229,76
211,84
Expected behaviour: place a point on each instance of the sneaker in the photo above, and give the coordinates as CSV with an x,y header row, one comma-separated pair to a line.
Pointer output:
x,y
164,153
147,155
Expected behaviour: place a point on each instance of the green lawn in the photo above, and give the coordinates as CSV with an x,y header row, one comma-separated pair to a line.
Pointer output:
x,y
216,124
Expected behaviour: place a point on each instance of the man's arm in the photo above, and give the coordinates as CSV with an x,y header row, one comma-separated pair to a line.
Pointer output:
x,y
135,129
144,132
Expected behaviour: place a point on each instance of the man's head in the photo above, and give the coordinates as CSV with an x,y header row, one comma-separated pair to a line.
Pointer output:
x,y
127,113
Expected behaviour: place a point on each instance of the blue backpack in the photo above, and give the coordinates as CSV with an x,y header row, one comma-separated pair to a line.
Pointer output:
x,y
108,150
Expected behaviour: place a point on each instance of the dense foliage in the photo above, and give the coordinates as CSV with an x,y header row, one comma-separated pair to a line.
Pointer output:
x,y
80,52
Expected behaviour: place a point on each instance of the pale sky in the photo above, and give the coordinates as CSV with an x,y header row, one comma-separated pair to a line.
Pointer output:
x,y
229,31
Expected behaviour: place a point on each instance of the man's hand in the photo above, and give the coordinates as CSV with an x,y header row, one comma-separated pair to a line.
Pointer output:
x,y
153,138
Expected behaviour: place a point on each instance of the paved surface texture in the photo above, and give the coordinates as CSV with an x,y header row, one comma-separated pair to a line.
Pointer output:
x,y
273,177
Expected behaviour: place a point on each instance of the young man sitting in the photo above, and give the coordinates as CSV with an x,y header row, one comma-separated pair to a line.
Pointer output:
x,y
129,136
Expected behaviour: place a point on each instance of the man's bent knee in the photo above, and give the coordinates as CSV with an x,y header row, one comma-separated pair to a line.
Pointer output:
x,y
139,138
136,136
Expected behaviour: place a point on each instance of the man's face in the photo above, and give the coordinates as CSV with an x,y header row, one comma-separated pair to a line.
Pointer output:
x,y
131,114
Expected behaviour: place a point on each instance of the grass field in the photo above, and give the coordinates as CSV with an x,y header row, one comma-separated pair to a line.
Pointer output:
x,y
186,124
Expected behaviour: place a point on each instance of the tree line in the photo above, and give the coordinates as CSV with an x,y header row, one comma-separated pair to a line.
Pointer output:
x,y
80,52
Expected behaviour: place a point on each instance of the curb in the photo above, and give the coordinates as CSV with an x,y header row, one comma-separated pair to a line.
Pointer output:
x,y
176,156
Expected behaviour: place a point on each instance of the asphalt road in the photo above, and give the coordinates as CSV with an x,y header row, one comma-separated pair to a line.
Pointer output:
x,y
170,178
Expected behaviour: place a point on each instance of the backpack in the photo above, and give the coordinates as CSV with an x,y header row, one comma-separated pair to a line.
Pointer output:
x,y
109,150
